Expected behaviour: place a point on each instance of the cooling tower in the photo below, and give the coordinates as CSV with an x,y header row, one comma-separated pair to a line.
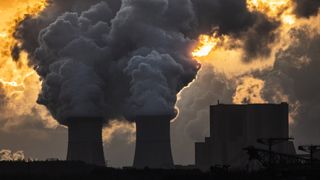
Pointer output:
x,y
85,140
153,148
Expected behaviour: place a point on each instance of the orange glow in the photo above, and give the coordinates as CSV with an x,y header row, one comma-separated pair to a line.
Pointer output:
x,y
226,54
19,83
13,73
249,90
3,35
119,127
275,9
207,44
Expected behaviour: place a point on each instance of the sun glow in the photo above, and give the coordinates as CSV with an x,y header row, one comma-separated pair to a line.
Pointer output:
x,y
205,45
12,72
3,35
274,10
19,84
208,43
224,53
249,90
280,10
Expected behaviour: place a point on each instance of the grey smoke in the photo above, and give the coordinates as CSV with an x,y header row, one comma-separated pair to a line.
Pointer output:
x,y
209,88
94,64
103,40
155,79
296,74
115,42
232,17
257,37
192,124
29,29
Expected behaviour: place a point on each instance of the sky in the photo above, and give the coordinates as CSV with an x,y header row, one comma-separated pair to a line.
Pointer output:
x,y
183,58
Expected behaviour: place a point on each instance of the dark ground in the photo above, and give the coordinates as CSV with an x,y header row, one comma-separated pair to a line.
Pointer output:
x,y
56,170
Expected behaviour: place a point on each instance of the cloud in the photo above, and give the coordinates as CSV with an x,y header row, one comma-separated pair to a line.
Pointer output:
x,y
307,8
8,155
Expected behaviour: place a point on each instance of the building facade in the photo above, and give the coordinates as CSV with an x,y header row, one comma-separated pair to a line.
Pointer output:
x,y
234,127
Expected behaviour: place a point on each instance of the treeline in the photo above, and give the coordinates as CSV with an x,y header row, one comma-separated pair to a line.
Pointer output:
x,y
58,170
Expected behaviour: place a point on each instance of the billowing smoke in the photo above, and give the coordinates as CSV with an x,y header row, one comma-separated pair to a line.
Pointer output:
x,y
291,77
294,76
123,58
30,27
96,63
106,58
195,100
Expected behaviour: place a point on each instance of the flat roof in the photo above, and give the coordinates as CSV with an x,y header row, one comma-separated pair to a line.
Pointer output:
x,y
254,104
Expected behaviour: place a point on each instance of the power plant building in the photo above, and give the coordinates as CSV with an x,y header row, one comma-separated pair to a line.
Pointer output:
x,y
234,127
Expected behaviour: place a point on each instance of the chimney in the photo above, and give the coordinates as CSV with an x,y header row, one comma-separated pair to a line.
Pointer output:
x,y
153,148
85,140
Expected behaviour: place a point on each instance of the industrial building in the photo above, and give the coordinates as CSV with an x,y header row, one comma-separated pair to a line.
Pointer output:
x,y
234,127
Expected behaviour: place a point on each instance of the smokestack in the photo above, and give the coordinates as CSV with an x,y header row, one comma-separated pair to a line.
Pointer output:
x,y
85,140
153,148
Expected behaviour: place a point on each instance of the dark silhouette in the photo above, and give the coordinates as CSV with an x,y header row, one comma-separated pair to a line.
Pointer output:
x,y
153,148
270,142
64,170
233,127
85,140
311,149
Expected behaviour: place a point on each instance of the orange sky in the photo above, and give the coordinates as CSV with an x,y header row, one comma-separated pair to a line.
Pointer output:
x,y
18,82
8,8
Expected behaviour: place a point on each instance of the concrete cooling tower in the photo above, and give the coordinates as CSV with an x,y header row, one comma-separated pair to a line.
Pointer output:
x,y
85,140
153,148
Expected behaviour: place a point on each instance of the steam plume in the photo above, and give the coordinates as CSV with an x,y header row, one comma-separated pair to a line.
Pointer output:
x,y
93,62
115,43
287,74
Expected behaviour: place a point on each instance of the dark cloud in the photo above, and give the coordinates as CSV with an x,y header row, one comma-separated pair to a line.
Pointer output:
x,y
68,31
113,58
232,17
295,75
258,38
307,8
114,61
29,29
